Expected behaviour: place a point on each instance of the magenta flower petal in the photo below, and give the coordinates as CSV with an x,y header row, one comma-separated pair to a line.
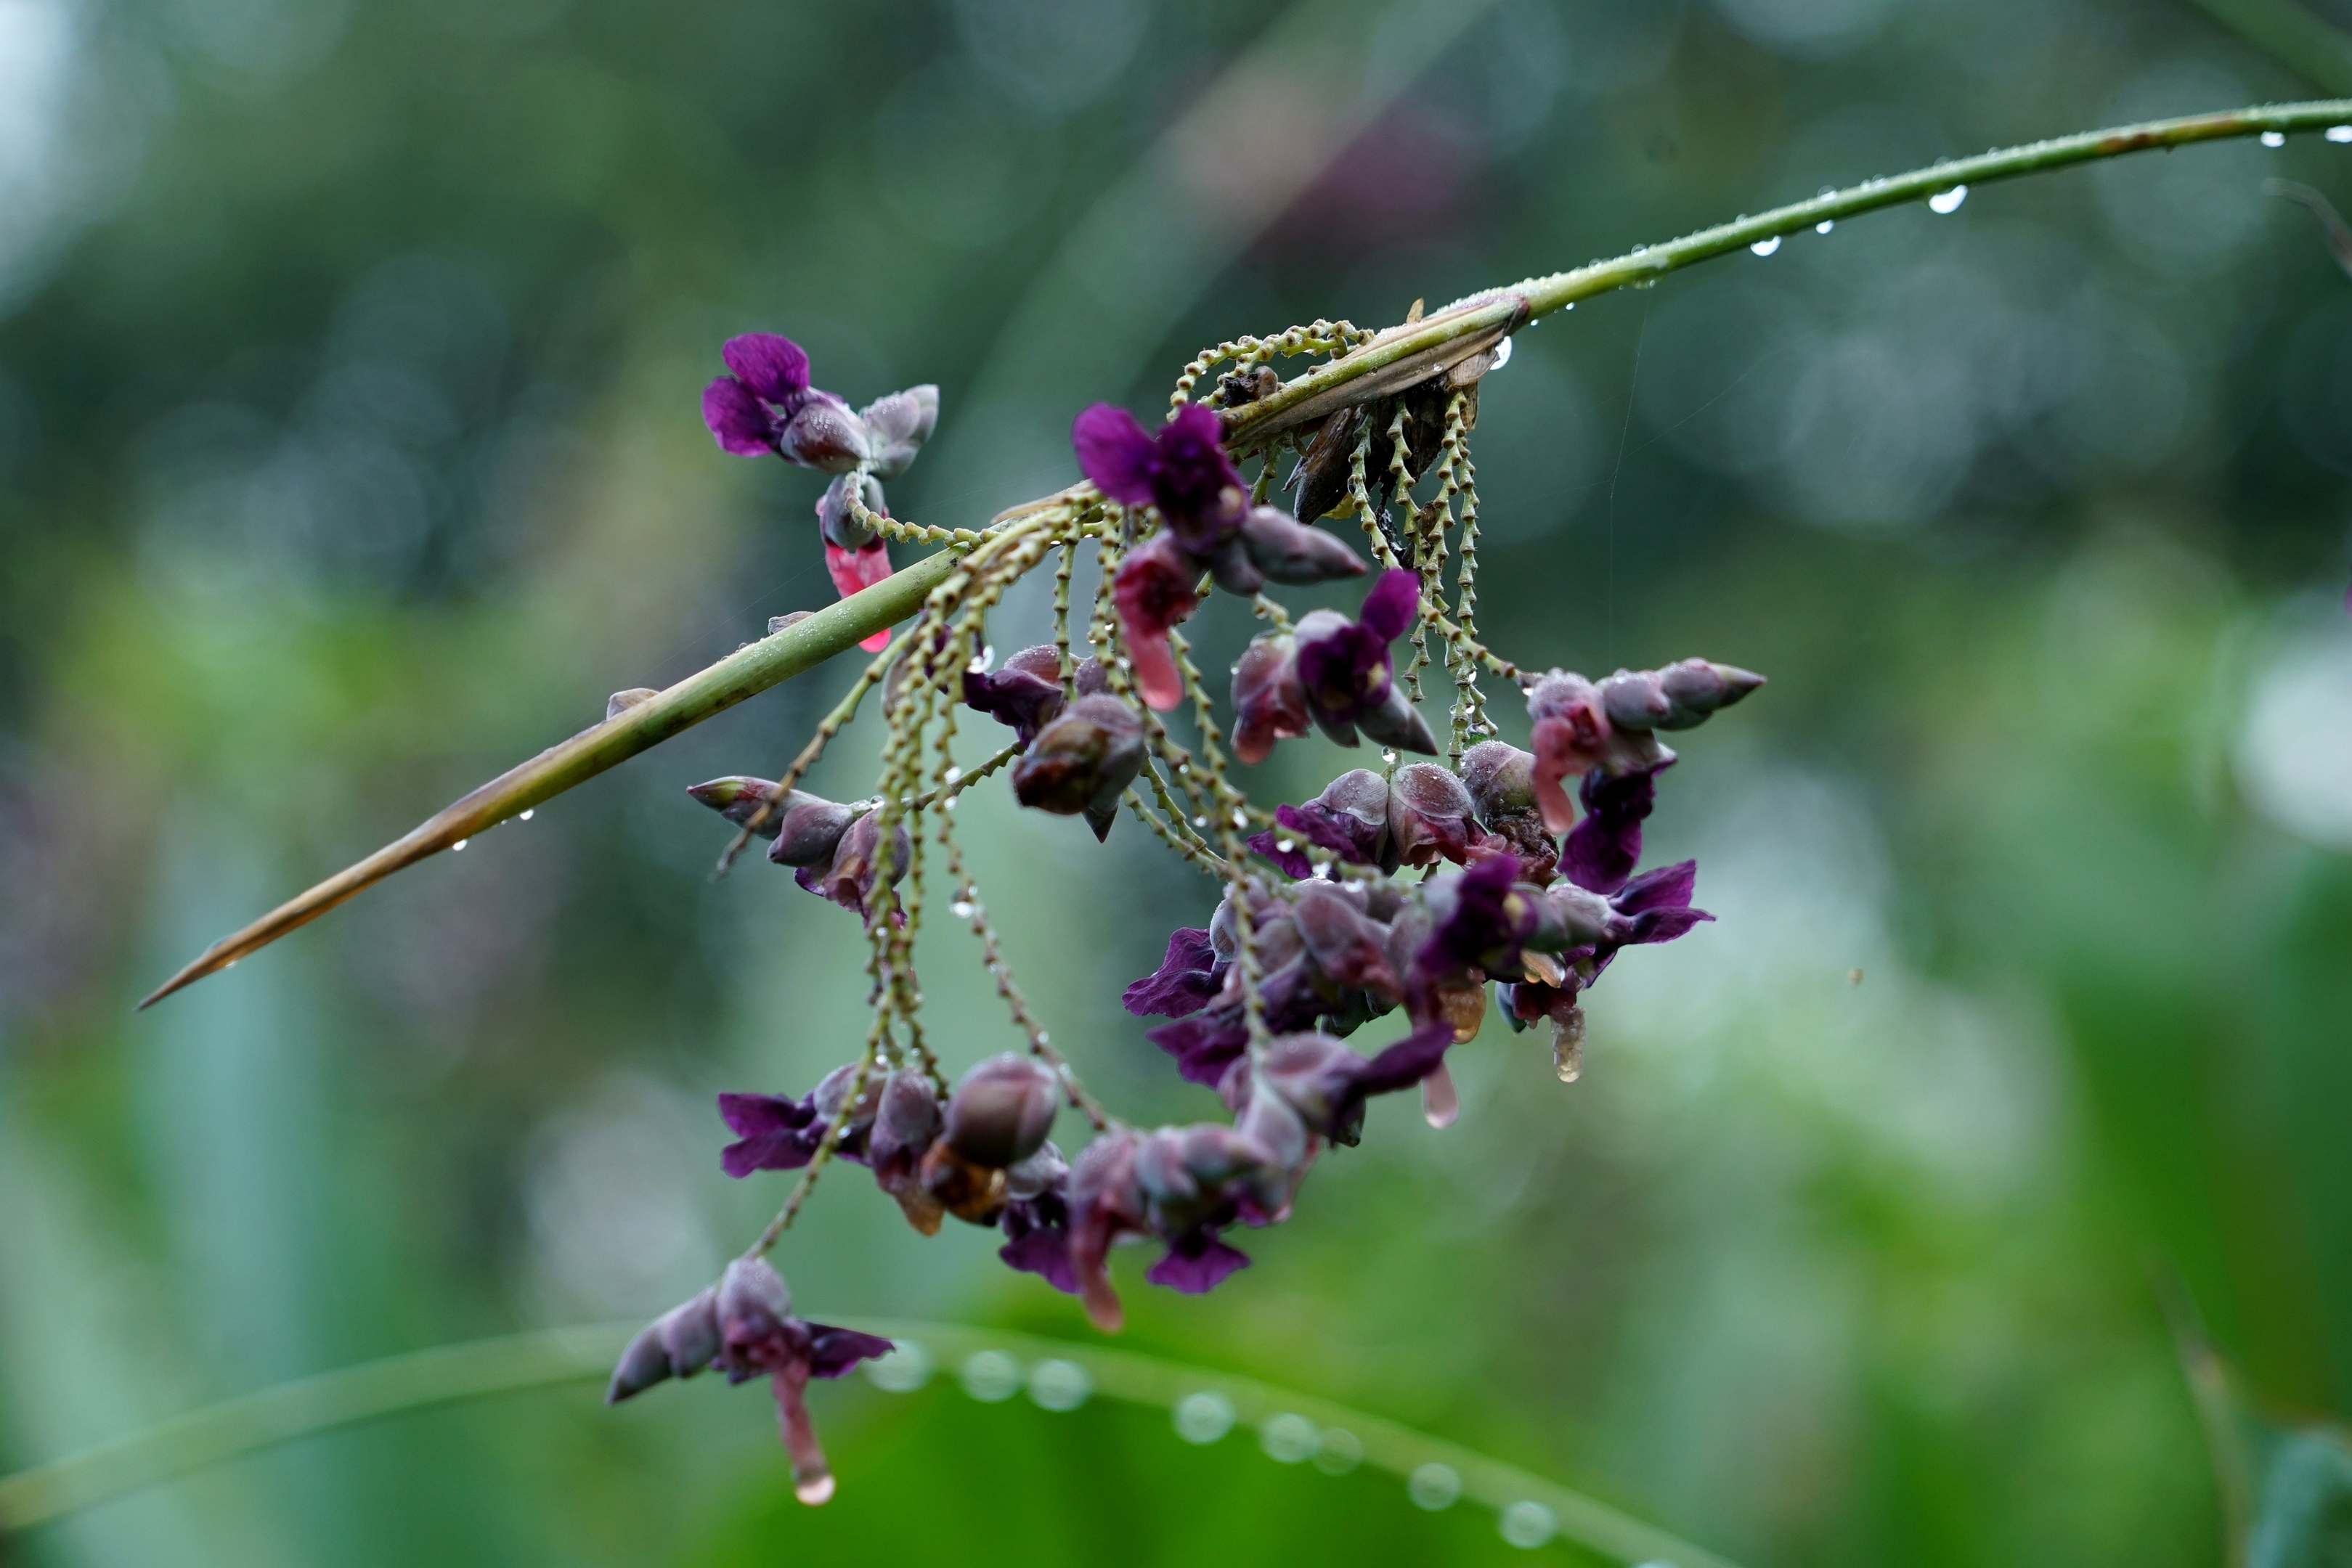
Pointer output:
x,y
773,367
1390,608
1115,453
1183,983
738,421
1196,1264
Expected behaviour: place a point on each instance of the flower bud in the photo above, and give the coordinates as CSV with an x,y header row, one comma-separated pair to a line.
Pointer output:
x,y
1696,688
1344,944
1026,693
1395,722
1636,699
1000,1115
679,1343
741,801
849,878
1501,781
752,1304
1429,815
1235,571
1042,1171
833,1090
897,425
1287,551
621,702
1269,703
810,831
1082,762
824,435
838,523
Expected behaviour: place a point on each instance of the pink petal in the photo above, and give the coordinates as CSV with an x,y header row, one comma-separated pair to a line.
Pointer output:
x,y
854,571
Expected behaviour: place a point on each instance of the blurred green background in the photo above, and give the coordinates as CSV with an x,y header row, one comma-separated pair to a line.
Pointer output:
x,y
349,452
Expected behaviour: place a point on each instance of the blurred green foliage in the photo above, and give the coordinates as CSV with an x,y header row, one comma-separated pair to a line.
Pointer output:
x,y
350,451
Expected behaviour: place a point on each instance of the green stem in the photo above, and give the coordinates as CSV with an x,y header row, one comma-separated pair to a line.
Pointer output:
x,y
745,673
1400,357
209,1437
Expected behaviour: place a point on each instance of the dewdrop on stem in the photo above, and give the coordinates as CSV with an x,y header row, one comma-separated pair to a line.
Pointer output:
x,y
1944,203
1766,246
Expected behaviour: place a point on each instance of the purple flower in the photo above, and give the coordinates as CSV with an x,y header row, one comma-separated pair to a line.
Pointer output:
x,y
1579,725
1026,693
1154,590
1351,818
1589,928
1345,668
1205,1044
1196,1263
1182,470
1083,761
1603,849
1480,918
1327,1084
745,1327
1431,819
768,407
1187,977
850,874
774,1133
906,1123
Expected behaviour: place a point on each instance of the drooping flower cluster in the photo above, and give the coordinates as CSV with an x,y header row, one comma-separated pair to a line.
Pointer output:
x,y
766,405
1416,888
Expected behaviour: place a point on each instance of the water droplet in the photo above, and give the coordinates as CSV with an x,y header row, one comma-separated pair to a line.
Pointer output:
x,y
960,909
2274,137
1240,818
1200,822
1439,1103
815,1491
1948,200
991,1376
1203,1417
1283,846
952,775
951,803
1824,226
1854,977
459,847
1502,356
1766,246
1434,1486
1288,1438
1389,757
1569,306
1059,1384
527,815
1339,1452
1528,1524
902,1371
2339,133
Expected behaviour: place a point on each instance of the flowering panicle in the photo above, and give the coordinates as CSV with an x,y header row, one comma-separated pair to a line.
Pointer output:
x,y
1412,891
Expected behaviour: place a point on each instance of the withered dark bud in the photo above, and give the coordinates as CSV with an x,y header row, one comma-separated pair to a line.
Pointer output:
x,y
1001,1111
1082,762
1290,551
1424,425
824,434
838,523
621,702
970,1191
1247,384
1321,476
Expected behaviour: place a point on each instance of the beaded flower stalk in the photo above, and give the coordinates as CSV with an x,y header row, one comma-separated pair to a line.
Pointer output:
x,y
1415,887
1430,888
